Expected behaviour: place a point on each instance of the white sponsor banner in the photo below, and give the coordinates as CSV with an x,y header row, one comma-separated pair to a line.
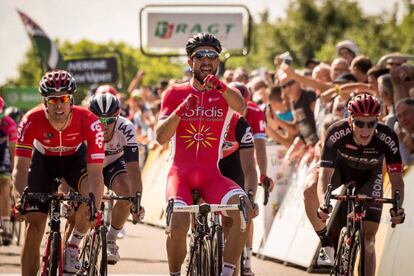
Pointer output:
x,y
291,237
169,28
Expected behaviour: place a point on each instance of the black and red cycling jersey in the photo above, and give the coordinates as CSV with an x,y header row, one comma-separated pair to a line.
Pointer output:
x,y
35,131
340,148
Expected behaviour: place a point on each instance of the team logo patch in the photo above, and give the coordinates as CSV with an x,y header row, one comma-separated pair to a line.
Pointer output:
x,y
198,137
352,147
48,135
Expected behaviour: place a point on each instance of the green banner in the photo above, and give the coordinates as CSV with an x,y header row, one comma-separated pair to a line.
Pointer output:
x,y
22,97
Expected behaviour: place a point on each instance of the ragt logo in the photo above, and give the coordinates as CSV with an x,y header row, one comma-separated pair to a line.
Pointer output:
x,y
165,29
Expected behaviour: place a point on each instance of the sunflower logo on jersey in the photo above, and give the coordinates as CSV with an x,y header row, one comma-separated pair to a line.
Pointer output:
x,y
198,137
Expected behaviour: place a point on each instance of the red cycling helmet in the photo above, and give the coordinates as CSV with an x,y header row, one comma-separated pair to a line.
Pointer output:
x,y
1,104
364,105
57,81
106,88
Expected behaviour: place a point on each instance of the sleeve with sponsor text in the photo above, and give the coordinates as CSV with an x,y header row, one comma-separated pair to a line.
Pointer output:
x,y
256,119
168,104
392,154
129,141
95,138
329,151
244,134
25,136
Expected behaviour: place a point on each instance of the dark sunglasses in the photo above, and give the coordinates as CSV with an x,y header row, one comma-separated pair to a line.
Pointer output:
x,y
205,53
361,124
107,120
289,83
55,99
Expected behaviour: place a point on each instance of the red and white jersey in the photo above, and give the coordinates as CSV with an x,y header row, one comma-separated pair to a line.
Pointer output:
x,y
35,131
256,119
8,130
200,134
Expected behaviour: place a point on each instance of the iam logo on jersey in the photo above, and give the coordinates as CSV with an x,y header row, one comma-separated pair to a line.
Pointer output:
x,y
197,137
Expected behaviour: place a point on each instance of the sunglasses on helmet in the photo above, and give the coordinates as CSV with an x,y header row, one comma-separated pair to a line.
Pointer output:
x,y
362,124
205,53
56,99
107,120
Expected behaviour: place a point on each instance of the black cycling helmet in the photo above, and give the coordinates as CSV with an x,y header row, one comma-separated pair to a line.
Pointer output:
x,y
57,81
13,112
364,105
202,39
104,105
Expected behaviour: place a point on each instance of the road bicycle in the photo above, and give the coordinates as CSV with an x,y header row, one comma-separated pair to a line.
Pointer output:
x,y
207,241
52,260
14,231
244,256
350,253
93,256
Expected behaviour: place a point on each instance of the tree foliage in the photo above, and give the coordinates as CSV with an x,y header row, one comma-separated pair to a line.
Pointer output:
x,y
310,29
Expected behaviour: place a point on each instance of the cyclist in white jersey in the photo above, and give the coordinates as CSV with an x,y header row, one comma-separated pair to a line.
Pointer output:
x,y
121,167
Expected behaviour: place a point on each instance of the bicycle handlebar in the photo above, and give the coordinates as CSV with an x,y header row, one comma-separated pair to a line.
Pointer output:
x,y
207,208
265,185
90,201
396,201
135,200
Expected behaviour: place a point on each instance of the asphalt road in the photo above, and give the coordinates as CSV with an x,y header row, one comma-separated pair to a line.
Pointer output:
x,y
143,253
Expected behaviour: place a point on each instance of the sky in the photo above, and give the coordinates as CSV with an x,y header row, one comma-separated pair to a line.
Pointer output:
x,y
103,20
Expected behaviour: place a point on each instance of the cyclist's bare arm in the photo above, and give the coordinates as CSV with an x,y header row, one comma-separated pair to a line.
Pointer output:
x,y
249,169
397,183
166,128
234,100
325,176
95,181
260,149
21,173
12,148
134,175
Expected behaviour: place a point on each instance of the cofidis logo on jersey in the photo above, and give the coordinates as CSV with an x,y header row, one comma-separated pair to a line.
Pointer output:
x,y
209,114
202,137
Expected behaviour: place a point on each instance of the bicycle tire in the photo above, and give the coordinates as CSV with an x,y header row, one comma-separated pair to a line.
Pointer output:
x,y
217,247
52,262
357,255
191,266
85,255
338,268
205,257
98,255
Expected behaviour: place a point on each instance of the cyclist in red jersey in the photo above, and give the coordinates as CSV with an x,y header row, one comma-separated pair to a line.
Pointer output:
x,y
255,117
194,116
8,137
57,140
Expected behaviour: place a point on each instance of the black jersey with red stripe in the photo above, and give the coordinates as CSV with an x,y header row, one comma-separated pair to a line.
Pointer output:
x,y
340,147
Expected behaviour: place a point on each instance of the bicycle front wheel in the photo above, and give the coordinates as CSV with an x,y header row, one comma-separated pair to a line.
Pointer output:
x,y
217,247
339,266
357,255
98,257
52,260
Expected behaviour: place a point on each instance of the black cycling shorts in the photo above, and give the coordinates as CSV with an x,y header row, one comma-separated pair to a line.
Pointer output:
x,y
112,170
44,170
368,182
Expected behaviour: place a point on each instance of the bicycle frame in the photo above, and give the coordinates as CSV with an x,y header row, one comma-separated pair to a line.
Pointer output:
x,y
52,261
201,234
352,235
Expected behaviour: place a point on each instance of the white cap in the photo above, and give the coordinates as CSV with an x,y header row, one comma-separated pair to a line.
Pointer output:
x,y
349,44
